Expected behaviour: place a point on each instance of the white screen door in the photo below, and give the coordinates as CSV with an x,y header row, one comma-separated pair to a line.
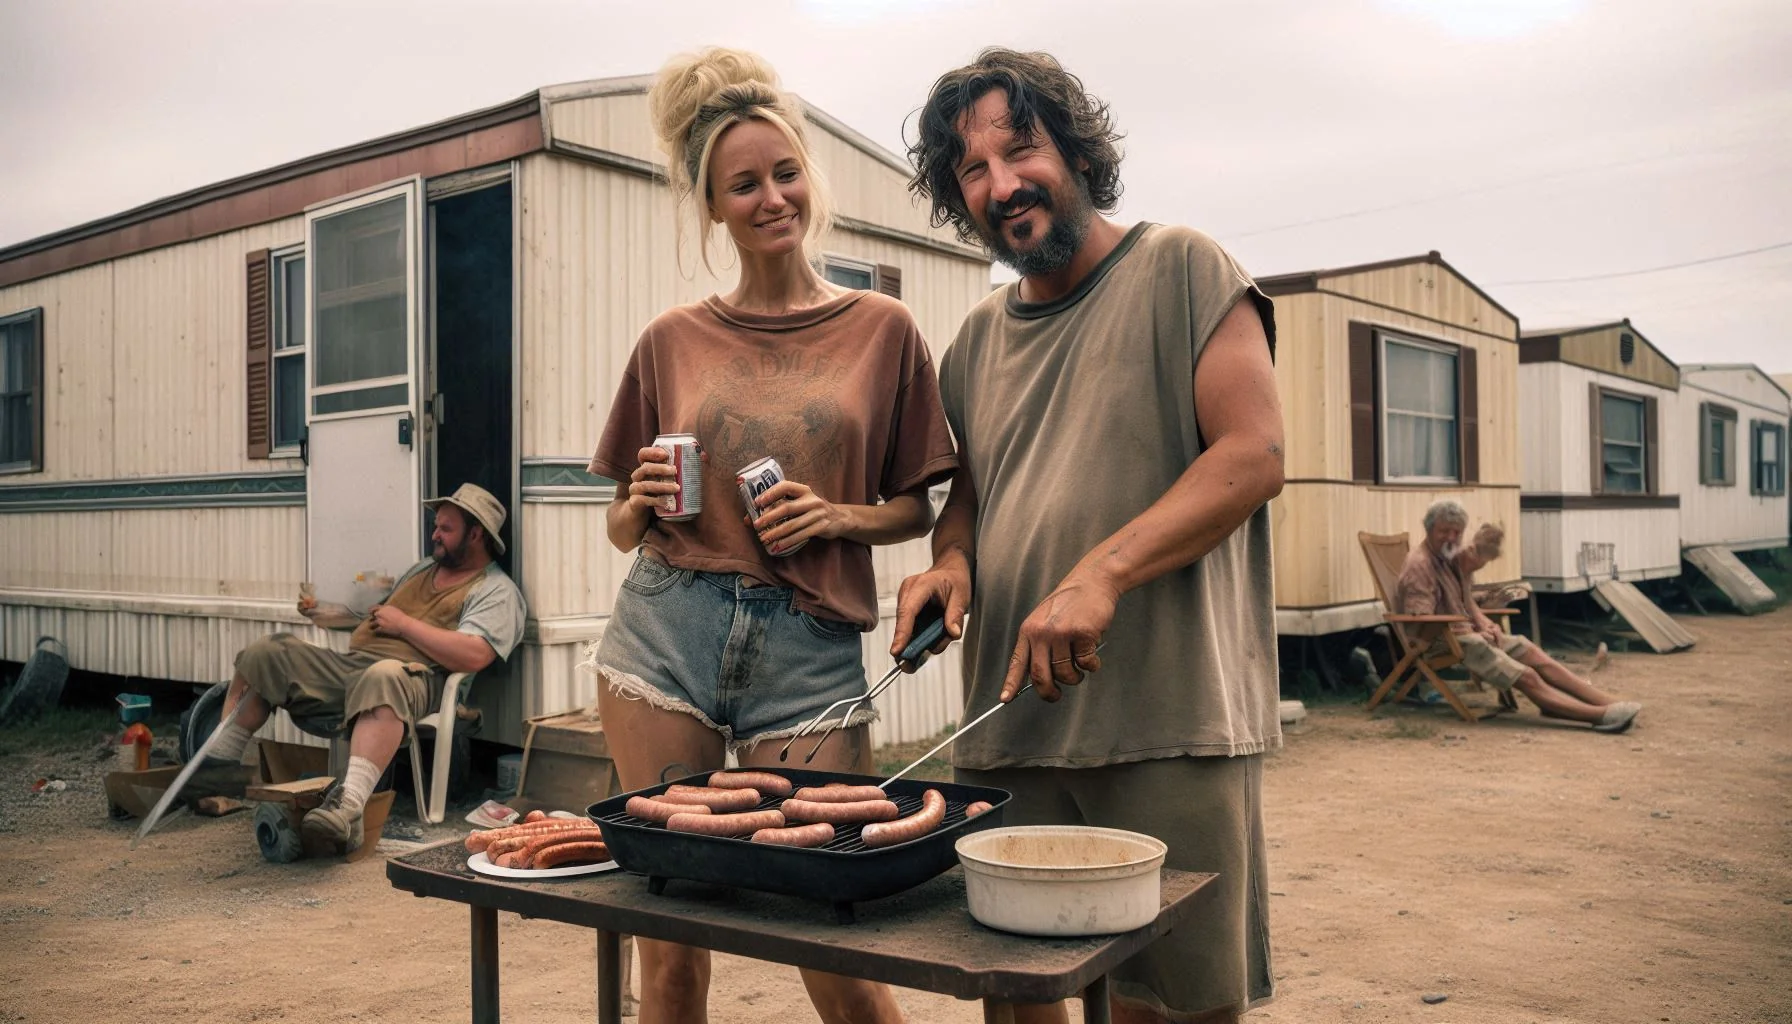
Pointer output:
x,y
361,276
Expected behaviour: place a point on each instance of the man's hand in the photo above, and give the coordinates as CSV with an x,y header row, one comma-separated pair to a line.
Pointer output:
x,y
1490,633
389,621
949,582
329,615
1057,642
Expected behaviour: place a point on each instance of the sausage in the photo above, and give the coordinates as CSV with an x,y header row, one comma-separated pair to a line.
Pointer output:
x,y
717,800
507,860
837,793
517,839
764,782
572,853
819,834
888,833
978,808
725,824
478,841
648,809
532,849
535,816
840,814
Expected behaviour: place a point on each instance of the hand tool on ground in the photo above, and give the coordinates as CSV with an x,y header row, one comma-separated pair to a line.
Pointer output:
x,y
180,781
930,628
968,726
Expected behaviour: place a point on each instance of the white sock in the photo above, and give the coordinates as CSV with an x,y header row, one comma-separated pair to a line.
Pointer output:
x,y
233,739
358,785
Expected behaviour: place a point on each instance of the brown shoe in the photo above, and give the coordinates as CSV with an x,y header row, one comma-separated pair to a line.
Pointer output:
x,y
327,827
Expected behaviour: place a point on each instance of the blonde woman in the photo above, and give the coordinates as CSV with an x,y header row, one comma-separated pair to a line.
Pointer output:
x,y
733,628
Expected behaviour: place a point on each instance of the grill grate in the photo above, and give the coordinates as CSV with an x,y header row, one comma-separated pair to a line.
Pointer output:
x,y
846,837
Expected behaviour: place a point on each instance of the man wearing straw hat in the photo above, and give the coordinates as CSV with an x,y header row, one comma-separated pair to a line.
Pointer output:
x,y
455,611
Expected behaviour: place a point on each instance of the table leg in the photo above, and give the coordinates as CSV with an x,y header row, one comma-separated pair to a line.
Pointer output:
x,y
485,965
1095,1003
609,977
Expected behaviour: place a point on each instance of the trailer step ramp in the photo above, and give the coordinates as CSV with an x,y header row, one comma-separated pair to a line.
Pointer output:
x,y
1657,627
1744,589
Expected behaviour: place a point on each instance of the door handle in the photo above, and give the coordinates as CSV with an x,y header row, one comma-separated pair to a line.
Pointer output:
x,y
405,426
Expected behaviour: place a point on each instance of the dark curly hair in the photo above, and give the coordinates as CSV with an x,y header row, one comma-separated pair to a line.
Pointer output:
x,y
1040,93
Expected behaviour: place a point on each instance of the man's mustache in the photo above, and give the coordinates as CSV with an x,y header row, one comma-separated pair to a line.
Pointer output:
x,y
1020,200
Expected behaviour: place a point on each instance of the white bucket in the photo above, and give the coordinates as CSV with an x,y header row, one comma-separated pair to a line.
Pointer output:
x,y
1062,880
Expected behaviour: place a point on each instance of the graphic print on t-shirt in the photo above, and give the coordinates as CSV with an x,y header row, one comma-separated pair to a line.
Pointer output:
x,y
782,405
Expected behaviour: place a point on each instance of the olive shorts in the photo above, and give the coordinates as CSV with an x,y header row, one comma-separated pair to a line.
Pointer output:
x,y
1209,811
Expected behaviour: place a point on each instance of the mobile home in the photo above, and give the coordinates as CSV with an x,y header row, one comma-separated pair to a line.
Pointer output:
x,y
218,395
1732,450
1399,386
1599,502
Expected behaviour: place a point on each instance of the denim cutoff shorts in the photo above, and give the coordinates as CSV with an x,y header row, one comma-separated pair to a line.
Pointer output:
x,y
740,658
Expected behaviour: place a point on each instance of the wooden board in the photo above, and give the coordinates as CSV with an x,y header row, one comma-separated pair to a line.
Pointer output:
x,y
1744,589
291,792
1657,627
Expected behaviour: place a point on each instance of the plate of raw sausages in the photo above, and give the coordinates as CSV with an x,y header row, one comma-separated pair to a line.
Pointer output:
x,y
540,846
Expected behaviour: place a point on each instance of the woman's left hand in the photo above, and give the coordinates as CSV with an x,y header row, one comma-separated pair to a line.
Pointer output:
x,y
806,515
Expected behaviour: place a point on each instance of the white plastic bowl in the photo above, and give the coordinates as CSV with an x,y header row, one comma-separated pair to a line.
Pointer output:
x,y
1062,880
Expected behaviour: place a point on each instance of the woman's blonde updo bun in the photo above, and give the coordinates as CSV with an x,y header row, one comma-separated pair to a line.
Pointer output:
x,y
694,99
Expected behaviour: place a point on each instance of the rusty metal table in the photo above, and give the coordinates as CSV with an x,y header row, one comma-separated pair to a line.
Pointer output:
x,y
923,938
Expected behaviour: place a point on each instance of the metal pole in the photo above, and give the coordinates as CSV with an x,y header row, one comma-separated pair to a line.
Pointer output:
x,y
1095,1003
485,965
609,977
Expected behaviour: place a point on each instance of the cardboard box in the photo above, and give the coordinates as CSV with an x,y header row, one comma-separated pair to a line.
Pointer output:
x,y
134,794
566,764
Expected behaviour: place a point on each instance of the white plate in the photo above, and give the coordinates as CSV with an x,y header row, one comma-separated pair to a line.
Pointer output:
x,y
481,865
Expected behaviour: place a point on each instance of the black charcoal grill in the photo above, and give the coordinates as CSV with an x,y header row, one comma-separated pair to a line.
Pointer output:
x,y
842,873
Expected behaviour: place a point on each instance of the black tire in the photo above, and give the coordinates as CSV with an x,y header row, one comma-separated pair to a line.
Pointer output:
x,y
200,720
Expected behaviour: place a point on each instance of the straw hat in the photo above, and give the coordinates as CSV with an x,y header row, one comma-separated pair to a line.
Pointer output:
x,y
477,502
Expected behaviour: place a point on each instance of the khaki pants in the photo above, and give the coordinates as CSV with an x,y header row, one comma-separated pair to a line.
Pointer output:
x,y
1498,667
327,689
1209,811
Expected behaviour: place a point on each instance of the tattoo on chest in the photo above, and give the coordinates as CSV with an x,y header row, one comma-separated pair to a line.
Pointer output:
x,y
782,405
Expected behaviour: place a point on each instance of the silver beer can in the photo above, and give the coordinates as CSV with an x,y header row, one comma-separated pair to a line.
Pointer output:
x,y
754,479
687,463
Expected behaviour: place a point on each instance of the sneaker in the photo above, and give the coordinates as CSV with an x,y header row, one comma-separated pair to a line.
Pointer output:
x,y
326,826
1618,717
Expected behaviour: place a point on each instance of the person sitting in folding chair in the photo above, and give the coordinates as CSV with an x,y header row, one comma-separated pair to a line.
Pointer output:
x,y
1438,579
455,611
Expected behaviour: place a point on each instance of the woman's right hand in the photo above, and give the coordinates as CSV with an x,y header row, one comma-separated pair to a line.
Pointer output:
x,y
651,481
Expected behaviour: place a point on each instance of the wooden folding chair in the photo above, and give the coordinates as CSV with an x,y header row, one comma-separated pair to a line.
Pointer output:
x,y
1414,634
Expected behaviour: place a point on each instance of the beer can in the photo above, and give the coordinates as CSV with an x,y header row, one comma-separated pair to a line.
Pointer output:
x,y
754,479
687,463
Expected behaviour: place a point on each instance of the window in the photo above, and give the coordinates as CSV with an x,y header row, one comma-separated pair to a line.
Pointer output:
x,y
1419,409
849,273
21,392
288,405
1623,454
1769,475
1717,445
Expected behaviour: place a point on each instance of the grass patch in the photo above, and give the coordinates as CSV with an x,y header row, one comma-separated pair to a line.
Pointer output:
x,y
895,757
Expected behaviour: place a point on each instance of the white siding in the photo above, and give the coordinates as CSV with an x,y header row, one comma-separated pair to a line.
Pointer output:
x,y
1645,545
1555,427
1730,516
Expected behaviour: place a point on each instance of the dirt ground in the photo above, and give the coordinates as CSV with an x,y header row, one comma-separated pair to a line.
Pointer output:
x,y
1528,871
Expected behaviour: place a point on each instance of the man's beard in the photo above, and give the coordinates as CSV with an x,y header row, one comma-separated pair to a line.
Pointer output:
x,y
451,558
1450,551
1063,239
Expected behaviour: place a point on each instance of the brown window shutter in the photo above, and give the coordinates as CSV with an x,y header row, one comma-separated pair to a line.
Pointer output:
x,y
1754,457
1652,445
1364,446
260,355
1468,414
1596,439
1705,443
889,280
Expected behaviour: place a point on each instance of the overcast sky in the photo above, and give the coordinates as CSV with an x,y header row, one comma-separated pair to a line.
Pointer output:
x,y
1526,140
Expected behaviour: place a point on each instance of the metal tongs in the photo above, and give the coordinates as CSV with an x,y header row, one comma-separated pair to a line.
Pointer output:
x,y
930,628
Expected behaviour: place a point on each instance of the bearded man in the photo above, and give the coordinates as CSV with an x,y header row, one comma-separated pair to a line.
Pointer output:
x,y
1119,437
455,611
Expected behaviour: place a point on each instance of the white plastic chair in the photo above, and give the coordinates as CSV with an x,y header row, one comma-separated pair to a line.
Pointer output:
x,y
441,724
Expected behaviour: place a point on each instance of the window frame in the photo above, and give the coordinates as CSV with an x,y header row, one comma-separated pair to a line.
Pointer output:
x,y
277,294
1758,429
1383,339
1715,414
830,259
1599,441
35,377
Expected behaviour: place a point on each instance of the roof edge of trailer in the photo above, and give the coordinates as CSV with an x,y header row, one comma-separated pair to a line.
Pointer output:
x,y
1768,377
525,106
1536,343
1308,280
